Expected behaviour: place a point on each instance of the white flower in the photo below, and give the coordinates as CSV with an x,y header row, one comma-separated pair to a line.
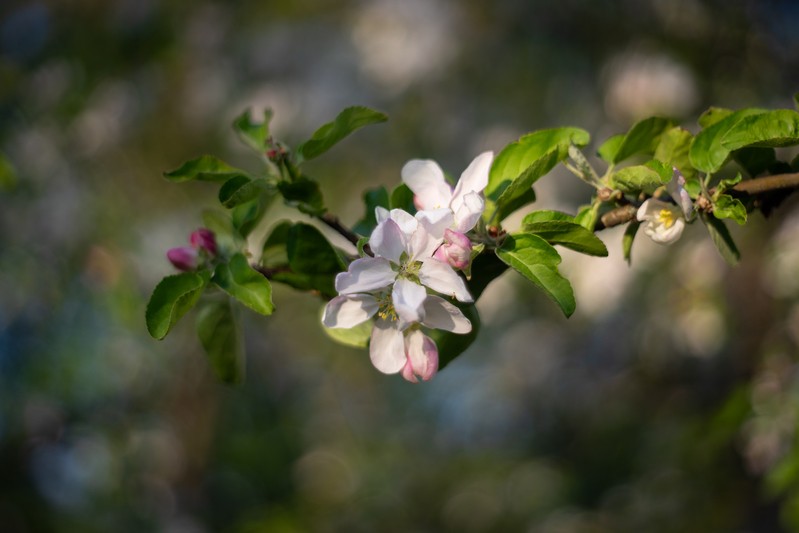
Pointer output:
x,y
676,189
432,192
663,222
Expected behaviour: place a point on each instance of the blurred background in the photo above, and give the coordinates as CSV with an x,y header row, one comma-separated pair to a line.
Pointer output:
x,y
668,402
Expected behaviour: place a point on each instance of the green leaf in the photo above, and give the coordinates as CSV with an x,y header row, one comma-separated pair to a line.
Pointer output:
x,y
627,240
517,192
725,206
707,153
221,338
247,216
357,337
673,150
274,252
204,168
172,298
313,257
304,194
537,260
240,189
607,150
228,238
643,138
8,174
451,345
755,160
515,160
344,124
560,228
246,285
796,100
771,129
713,115
377,197
587,216
722,239
402,198
253,134
646,178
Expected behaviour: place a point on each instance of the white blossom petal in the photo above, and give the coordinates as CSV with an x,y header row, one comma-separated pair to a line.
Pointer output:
x,y
663,235
440,314
349,310
387,347
408,299
364,275
388,240
441,278
436,221
421,244
406,221
381,214
469,212
473,179
426,179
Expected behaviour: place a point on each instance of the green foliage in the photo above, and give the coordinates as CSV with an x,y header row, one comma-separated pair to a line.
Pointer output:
x,y
627,240
172,298
240,190
643,138
8,175
537,260
587,216
560,228
713,115
221,338
770,129
521,163
755,160
331,133
402,198
228,238
725,206
707,152
253,134
246,216
204,168
451,345
722,239
672,150
304,194
608,149
239,280
372,198
356,337
647,178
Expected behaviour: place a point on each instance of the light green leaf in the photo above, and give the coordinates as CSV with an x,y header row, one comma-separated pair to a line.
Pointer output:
x,y
241,189
204,168
587,216
722,239
172,298
514,161
451,345
560,228
607,150
304,194
673,150
274,252
253,134
246,285
518,192
771,129
642,138
344,124
357,337
537,260
220,336
639,178
713,115
8,175
725,206
228,238
627,240
377,197
707,153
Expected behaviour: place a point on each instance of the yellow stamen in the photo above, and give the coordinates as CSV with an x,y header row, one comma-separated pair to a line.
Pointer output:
x,y
666,218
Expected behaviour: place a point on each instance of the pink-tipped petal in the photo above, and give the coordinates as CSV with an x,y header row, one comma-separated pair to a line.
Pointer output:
x,y
456,250
387,347
408,299
364,275
183,258
349,310
441,278
388,240
473,179
426,179
422,357
440,314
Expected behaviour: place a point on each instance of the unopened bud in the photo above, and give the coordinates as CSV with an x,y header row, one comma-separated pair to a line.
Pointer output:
x,y
183,258
456,250
422,357
204,239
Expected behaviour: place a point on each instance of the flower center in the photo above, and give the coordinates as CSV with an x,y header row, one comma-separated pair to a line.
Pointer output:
x,y
386,309
410,271
666,218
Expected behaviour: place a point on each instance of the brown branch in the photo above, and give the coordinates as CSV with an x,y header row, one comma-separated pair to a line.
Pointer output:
x,y
333,222
616,217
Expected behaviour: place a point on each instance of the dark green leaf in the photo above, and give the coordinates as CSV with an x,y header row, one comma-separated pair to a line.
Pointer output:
x,y
245,217
172,298
673,150
796,100
8,175
402,198
755,160
537,260
274,252
722,239
485,268
312,256
221,338
525,197
707,153
240,189
514,160
304,194
608,150
253,134
517,192
564,232
345,123
771,129
713,115
451,345
377,197
246,285
725,206
627,240
635,179
204,168
642,138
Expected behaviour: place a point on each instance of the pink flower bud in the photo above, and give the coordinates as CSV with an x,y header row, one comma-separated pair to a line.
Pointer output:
x,y
204,239
456,250
183,258
422,357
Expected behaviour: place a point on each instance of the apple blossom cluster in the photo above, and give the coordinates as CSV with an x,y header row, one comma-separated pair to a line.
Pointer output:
x,y
664,222
414,256
187,258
